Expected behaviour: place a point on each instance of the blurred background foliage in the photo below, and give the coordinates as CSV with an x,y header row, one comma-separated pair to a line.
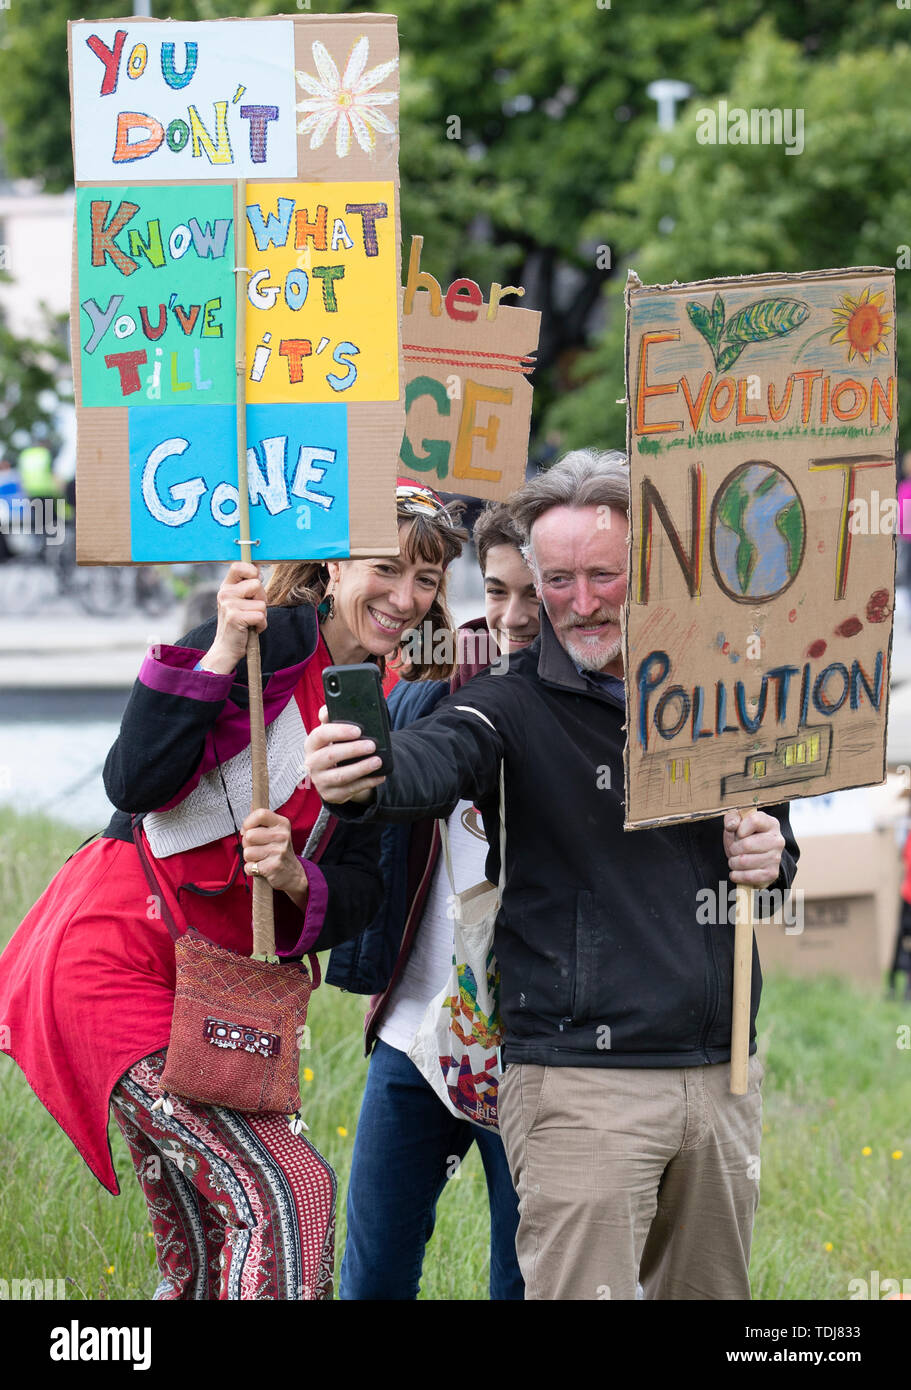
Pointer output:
x,y
560,178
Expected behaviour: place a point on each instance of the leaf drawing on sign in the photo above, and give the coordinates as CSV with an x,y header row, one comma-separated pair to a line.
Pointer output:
x,y
755,323
348,100
709,322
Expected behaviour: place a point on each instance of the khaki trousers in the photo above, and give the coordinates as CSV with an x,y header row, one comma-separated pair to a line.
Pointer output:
x,y
629,1175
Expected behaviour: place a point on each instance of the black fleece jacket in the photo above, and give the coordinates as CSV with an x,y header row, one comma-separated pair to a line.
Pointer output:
x,y
603,961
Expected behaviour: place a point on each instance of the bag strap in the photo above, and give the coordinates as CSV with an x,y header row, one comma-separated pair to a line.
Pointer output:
x,y
175,934
444,829
152,879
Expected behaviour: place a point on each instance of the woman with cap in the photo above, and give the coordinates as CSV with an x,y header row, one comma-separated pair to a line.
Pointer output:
x,y
240,1206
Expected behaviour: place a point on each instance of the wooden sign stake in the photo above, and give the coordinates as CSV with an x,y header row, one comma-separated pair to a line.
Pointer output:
x,y
743,971
263,905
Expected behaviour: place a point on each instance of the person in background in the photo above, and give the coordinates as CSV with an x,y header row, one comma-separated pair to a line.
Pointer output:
x,y
408,1143
13,499
901,960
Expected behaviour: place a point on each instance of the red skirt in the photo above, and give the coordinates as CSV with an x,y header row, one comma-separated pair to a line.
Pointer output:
x,y
86,990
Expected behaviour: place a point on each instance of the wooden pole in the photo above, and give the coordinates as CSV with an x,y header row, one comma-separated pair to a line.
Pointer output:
x,y
743,971
263,906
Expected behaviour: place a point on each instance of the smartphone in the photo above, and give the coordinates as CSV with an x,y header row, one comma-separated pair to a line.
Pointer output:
x,y
354,695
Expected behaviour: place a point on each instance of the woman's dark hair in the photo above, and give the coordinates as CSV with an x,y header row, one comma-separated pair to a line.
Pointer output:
x,y
435,538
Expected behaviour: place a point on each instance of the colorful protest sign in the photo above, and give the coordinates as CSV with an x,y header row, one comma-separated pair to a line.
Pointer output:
x,y
323,281
467,399
163,305
762,434
154,305
209,100
183,477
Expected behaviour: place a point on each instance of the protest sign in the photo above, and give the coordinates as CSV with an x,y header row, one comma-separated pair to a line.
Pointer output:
x,y
166,118
467,400
762,428
183,101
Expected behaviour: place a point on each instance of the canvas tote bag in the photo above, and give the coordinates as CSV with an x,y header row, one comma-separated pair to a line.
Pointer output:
x,y
457,1046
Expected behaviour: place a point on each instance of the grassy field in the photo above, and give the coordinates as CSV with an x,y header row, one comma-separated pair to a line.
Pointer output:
x,y
836,1159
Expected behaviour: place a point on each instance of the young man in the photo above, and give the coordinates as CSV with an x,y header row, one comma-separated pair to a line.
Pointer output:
x,y
408,1143
631,1158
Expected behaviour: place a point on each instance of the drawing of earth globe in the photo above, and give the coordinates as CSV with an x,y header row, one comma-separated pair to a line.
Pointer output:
x,y
758,532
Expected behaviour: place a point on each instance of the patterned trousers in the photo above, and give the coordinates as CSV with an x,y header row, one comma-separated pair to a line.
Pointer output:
x,y
240,1207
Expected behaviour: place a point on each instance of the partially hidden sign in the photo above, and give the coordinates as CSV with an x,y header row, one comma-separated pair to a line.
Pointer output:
x,y
467,396
762,435
166,116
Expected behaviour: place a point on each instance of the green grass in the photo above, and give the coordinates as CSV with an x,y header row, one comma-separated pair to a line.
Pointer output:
x,y
836,1082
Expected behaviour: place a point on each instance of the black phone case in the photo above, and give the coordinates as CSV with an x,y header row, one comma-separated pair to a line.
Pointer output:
x,y
360,700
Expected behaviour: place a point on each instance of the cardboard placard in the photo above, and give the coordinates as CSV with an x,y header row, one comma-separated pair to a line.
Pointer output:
x,y
762,432
183,101
467,399
305,108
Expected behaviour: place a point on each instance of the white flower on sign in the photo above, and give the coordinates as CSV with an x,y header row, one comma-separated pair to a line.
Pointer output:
x,y
348,100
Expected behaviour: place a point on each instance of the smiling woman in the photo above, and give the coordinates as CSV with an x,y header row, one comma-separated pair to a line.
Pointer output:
x,y
367,606
97,946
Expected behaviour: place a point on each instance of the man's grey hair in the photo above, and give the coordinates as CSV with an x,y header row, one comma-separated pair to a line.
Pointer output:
x,y
583,478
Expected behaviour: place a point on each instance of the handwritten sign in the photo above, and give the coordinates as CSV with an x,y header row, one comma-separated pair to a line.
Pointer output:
x,y
762,425
165,115
210,100
156,290
467,397
183,481
323,293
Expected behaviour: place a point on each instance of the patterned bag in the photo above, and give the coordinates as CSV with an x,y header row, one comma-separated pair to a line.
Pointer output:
x,y
457,1046
236,1021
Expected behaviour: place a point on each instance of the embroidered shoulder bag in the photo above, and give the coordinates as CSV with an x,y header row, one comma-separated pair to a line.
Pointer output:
x,y
236,1022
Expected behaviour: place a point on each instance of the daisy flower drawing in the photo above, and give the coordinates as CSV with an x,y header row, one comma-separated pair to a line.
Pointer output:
x,y
861,324
348,102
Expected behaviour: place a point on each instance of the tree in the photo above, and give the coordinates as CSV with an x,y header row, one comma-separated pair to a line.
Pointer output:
x,y
694,210
553,117
33,383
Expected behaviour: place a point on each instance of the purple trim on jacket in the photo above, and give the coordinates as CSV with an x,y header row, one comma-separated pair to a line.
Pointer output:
x,y
315,911
178,675
172,673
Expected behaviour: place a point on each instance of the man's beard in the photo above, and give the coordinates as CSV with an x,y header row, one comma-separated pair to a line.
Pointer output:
x,y
592,655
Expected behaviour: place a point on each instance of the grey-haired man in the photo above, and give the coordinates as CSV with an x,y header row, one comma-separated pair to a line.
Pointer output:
x,y
631,1158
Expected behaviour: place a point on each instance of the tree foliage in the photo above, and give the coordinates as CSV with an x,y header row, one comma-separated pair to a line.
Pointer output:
x,y
32,383
557,155
692,211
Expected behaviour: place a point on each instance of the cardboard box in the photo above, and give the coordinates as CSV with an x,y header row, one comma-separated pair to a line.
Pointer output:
x,y
850,884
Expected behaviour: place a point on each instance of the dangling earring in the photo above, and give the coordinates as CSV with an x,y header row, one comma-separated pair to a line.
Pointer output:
x,y
326,609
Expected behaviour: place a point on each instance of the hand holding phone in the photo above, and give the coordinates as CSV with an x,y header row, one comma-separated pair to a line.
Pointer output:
x,y
354,695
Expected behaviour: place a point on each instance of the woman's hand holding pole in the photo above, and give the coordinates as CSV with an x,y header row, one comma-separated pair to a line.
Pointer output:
x,y
241,610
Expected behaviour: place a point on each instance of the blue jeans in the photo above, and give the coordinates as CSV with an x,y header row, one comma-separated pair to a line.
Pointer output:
x,y
404,1149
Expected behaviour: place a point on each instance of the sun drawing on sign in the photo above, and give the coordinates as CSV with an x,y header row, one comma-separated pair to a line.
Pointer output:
x,y
347,102
861,324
